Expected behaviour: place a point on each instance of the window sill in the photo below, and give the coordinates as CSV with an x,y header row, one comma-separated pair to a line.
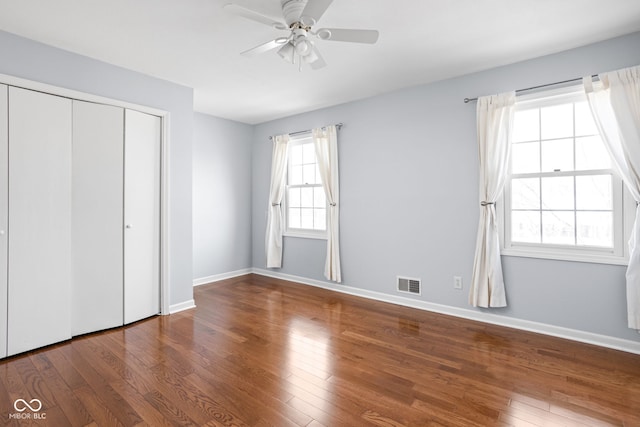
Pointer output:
x,y
564,256
303,235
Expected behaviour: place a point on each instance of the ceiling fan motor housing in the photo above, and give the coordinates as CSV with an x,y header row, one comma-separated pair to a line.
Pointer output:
x,y
292,10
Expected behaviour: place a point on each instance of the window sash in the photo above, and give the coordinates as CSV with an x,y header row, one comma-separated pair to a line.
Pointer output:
x,y
618,217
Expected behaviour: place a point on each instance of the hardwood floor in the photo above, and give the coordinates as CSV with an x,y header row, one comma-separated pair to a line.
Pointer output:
x,y
259,351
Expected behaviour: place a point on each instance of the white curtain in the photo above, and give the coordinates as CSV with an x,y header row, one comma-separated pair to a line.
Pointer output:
x,y
326,144
275,220
615,105
494,125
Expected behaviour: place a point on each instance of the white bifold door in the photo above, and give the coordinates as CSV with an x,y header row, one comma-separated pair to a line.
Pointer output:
x,y
116,216
141,216
39,227
98,182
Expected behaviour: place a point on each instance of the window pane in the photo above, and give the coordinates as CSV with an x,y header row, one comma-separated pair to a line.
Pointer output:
x,y
295,175
320,219
557,155
295,154
526,126
319,200
294,217
558,228
308,153
309,174
294,198
595,228
525,157
557,192
525,226
594,192
306,197
591,153
525,193
584,120
306,218
556,121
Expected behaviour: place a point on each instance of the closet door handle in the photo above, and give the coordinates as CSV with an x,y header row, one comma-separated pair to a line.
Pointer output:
x,y
128,226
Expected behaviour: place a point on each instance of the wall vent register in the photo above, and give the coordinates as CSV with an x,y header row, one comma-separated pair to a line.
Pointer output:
x,y
409,285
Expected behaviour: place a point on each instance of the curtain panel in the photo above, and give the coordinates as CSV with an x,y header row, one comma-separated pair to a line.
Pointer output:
x,y
275,219
494,125
325,141
615,105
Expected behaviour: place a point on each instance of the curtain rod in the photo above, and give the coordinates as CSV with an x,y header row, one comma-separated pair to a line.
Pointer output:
x,y
467,100
337,125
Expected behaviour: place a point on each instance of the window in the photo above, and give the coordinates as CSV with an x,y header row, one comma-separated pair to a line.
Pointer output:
x,y
562,199
305,201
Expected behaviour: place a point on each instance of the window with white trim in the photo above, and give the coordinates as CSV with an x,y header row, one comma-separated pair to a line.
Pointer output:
x,y
562,199
305,201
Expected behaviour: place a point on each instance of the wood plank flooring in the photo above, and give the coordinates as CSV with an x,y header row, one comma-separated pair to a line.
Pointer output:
x,y
264,352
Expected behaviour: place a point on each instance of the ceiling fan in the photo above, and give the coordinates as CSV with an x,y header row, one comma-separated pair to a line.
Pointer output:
x,y
300,16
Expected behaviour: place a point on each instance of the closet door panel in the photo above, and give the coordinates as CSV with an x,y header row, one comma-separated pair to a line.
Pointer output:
x,y
142,216
4,212
97,241
39,297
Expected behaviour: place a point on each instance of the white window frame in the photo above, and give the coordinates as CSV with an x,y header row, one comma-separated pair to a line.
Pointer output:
x,y
623,209
300,232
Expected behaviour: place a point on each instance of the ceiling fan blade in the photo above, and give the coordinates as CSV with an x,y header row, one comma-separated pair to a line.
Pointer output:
x,y
314,10
254,16
319,62
265,47
348,35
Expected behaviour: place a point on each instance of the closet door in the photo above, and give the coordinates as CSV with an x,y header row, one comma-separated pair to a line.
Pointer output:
x,y
39,297
97,241
4,212
141,216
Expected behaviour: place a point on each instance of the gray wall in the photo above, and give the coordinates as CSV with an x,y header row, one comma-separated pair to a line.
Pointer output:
x,y
221,196
35,61
408,186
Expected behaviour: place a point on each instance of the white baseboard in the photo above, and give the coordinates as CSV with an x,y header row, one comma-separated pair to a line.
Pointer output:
x,y
223,276
185,305
510,322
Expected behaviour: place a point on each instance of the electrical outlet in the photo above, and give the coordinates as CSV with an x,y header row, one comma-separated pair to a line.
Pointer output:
x,y
457,282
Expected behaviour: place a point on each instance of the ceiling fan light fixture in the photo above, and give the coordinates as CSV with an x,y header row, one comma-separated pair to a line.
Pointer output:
x,y
311,57
303,47
287,52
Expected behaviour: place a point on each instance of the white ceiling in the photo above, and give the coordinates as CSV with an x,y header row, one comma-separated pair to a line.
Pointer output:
x,y
197,43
